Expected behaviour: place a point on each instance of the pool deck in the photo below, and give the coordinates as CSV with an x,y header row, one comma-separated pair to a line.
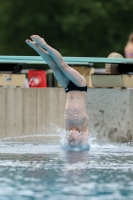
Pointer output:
x,y
30,111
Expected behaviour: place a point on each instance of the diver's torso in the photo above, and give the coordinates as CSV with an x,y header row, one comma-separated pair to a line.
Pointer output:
x,y
75,111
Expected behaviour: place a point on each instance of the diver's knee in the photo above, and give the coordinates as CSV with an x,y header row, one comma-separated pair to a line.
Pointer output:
x,y
62,65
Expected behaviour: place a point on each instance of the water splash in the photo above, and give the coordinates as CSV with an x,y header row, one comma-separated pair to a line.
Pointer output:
x,y
74,145
58,136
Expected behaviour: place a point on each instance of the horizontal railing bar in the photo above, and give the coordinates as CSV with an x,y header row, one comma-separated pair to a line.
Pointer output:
x,y
69,60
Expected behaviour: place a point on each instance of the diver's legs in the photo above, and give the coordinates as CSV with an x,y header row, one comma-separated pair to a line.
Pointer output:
x,y
62,79
68,71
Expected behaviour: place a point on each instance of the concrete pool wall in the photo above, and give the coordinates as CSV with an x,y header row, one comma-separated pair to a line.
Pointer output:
x,y
30,111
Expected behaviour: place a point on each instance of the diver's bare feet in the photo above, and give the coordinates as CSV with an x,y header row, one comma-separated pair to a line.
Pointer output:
x,y
44,54
37,48
34,45
31,43
39,41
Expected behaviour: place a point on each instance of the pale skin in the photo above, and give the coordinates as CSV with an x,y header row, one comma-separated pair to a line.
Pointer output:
x,y
128,50
76,118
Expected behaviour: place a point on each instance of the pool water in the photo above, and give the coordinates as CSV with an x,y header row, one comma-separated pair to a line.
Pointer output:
x,y
40,171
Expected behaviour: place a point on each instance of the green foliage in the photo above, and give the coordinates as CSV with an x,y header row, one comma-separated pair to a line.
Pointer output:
x,y
74,28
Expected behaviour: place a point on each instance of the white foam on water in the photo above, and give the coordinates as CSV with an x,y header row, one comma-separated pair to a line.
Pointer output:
x,y
22,148
27,136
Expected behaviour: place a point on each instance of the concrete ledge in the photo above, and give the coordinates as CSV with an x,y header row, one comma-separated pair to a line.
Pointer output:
x,y
111,114
107,80
28,112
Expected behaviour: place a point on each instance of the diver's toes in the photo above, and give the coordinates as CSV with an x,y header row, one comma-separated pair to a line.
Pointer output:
x,y
27,40
34,37
31,44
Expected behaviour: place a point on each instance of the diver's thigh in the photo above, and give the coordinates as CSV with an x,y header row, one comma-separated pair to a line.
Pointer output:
x,y
73,75
61,78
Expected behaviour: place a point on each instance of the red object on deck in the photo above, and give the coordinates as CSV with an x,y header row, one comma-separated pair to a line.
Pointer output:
x,y
37,78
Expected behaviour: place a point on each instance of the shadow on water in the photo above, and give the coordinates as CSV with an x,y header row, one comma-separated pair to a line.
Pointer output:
x,y
72,157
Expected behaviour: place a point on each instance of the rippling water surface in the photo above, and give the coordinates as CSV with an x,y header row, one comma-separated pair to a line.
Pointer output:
x,y
38,171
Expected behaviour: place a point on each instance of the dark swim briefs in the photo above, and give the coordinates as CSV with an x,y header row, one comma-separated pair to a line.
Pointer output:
x,y
71,87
